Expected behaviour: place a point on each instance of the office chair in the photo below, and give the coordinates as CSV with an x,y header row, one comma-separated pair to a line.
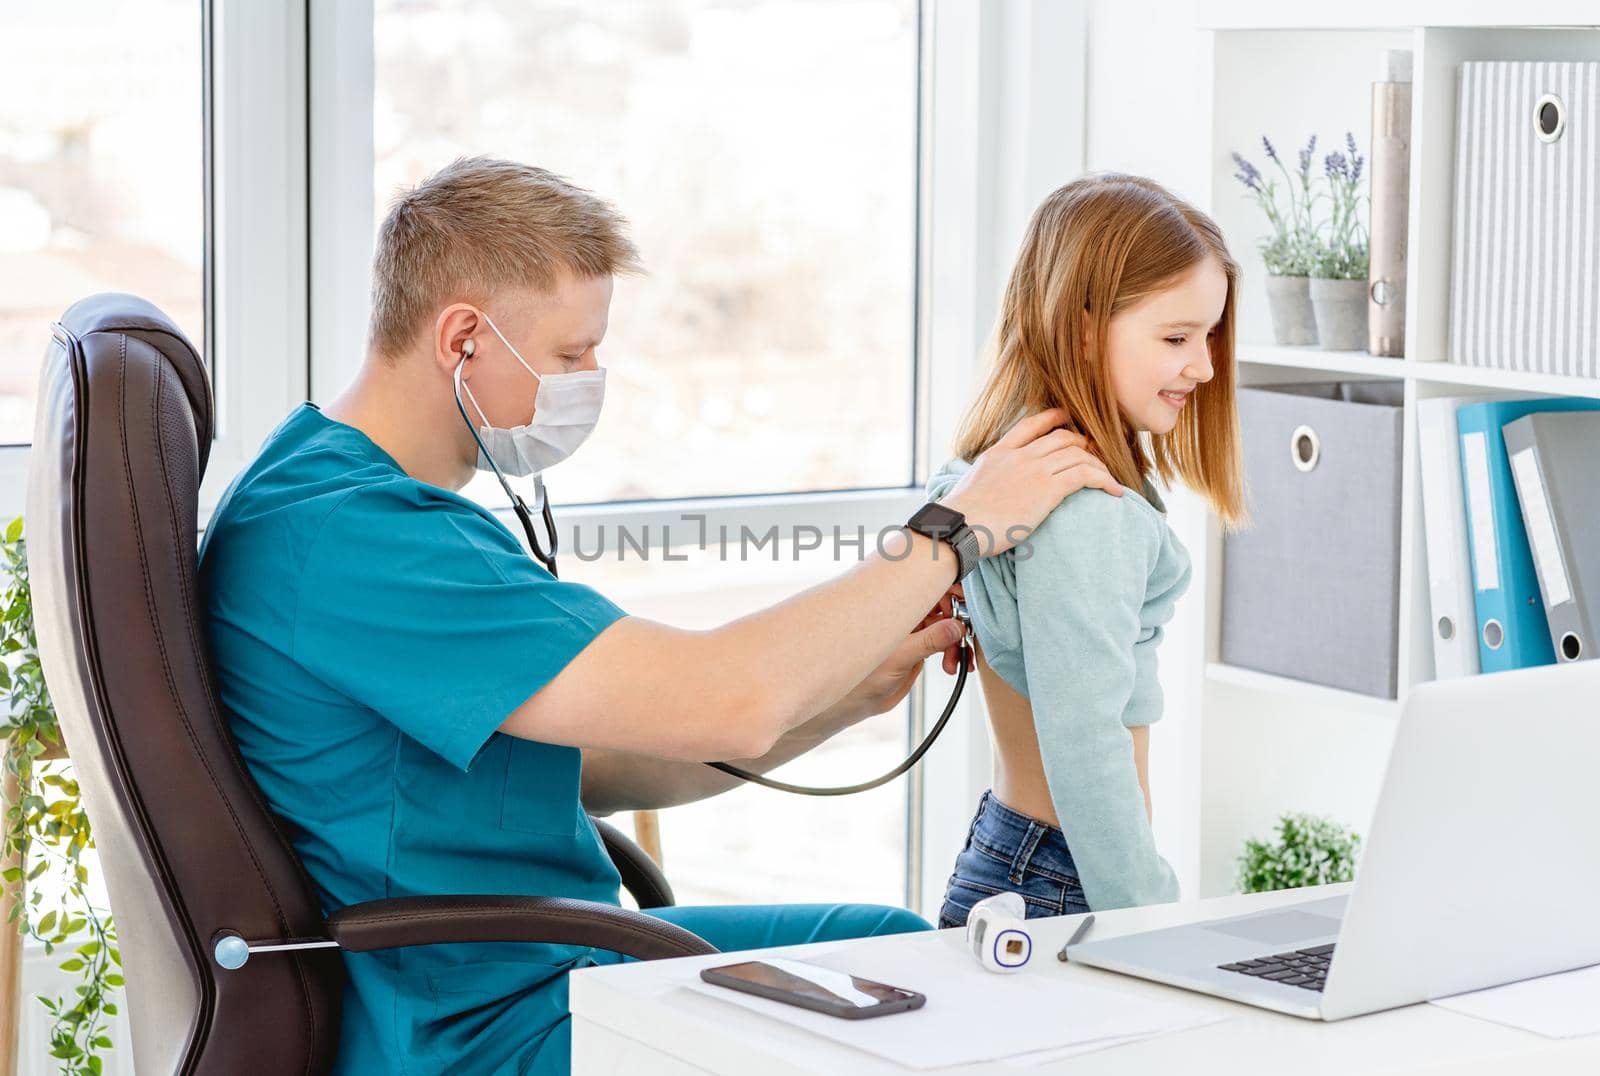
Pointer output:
x,y
230,963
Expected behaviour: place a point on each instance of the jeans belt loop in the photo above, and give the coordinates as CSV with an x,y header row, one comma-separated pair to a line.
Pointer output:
x,y
1030,841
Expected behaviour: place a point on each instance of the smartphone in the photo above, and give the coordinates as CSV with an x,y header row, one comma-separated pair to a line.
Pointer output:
x,y
811,987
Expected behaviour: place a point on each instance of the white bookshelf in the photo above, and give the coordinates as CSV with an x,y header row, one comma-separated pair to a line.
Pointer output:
x,y
1263,744
1316,696
1265,362
1392,14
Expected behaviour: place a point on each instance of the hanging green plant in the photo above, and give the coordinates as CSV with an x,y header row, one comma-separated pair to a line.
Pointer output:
x,y
46,833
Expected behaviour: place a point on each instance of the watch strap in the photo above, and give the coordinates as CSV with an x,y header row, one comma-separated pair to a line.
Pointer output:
x,y
962,540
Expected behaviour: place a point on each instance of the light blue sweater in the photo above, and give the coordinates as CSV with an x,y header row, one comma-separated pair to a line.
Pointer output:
x,y
1071,619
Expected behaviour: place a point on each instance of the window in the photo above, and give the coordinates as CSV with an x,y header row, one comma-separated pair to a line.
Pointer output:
x,y
765,154
90,93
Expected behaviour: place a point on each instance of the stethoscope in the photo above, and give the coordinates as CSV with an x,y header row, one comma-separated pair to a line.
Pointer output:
x,y
958,610
517,504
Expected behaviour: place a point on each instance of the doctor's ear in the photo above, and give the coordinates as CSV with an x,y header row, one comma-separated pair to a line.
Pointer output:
x,y
454,330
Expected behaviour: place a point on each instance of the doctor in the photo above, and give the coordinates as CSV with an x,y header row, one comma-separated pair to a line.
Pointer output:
x,y
429,710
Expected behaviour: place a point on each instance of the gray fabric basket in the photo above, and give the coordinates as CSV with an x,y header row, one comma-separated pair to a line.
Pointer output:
x,y
1311,589
1524,278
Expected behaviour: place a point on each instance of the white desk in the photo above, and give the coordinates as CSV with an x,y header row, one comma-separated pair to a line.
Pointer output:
x,y
632,1019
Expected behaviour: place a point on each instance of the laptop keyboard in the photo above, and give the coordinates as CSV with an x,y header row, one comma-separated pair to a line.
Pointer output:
x,y
1305,968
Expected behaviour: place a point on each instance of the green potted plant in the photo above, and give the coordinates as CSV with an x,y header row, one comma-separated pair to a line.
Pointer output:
x,y
1288,250
1308,850
1340,261
46,833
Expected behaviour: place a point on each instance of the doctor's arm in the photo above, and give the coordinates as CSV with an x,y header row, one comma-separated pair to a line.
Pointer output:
x,y
735,691
625,781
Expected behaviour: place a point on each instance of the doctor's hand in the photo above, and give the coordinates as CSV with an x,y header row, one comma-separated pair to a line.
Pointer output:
x,y
952,653
1021,478
886,685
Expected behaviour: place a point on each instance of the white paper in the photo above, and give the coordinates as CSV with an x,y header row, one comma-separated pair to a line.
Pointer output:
x,y
1558,1006
971,1015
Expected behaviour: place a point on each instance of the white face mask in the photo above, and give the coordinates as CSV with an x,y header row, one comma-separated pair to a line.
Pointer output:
x,y
565,413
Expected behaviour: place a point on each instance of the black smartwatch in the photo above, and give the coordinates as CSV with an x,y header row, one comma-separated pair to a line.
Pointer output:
x,y
945,524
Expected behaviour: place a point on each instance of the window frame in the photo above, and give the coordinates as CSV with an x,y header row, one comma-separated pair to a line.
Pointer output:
x,y
260,182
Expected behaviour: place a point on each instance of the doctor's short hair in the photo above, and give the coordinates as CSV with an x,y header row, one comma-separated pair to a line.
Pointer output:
x,y
477,226
1095,247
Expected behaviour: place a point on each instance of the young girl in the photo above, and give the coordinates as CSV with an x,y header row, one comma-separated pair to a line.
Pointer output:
x,y
1121,310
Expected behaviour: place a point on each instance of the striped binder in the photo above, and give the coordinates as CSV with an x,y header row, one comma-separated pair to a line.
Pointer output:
x,y
1525,266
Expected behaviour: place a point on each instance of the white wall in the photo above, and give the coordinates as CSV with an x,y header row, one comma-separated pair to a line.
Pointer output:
x,y
1149,81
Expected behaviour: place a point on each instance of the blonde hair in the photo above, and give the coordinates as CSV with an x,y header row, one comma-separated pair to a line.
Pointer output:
x,y
1100,244
479,225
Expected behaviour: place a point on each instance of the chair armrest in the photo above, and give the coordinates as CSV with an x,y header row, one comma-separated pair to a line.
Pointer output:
x,y
640,875
403,921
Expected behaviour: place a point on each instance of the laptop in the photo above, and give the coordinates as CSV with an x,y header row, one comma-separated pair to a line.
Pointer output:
x,y
1481,866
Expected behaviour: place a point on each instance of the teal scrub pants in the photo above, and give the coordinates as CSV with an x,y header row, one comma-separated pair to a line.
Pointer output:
x,y
757,926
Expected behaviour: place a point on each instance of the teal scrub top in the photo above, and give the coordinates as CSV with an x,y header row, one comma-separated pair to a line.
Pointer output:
x,y
370,633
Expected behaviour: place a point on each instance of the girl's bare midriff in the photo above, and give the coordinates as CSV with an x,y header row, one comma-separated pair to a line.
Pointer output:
x,y
1019,780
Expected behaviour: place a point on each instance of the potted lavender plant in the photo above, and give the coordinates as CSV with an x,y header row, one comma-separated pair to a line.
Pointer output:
x,y
1339,266
1289,249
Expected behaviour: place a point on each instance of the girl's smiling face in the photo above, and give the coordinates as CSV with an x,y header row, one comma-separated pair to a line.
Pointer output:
x,y
1160,347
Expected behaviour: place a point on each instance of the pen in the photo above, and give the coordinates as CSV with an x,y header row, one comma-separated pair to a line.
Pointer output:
x,y
1077,936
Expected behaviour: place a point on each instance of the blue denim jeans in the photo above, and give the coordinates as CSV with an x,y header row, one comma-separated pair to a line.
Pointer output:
x,y
1010,852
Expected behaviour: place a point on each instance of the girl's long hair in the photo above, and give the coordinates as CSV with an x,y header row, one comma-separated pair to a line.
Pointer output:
x,y
1098,245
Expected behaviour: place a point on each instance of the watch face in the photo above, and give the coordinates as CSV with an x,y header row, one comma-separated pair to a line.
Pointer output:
x,y
937,515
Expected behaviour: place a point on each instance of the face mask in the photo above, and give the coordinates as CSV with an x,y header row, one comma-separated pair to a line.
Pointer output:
x,y
565,413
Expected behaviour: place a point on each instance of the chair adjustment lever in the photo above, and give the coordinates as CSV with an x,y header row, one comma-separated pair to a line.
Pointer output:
x,y
230,950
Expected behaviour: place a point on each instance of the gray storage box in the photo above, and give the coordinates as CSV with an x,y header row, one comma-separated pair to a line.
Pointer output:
x,y
1312,589
1524,282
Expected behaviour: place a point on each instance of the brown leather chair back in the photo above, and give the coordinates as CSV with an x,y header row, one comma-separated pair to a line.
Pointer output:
x,y
186,841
